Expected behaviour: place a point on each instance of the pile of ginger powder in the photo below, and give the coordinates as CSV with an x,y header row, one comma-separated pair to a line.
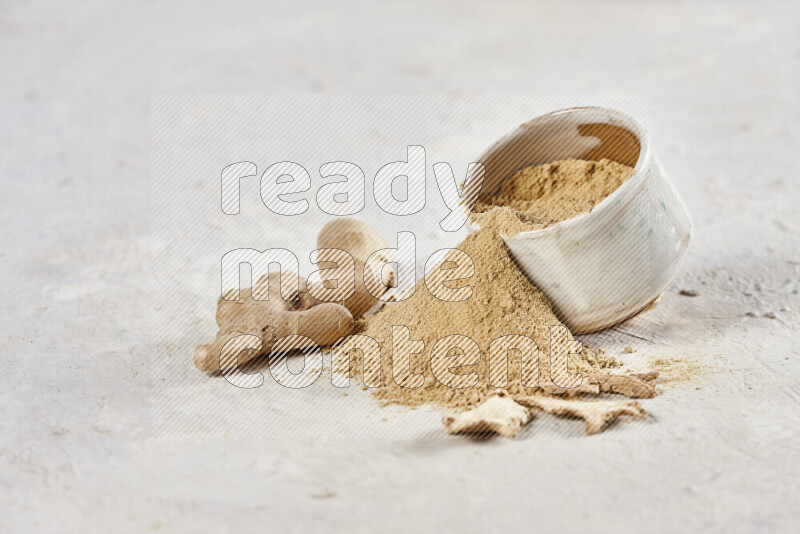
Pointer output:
x,y
503,301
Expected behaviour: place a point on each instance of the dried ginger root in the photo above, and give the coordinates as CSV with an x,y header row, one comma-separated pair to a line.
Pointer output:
x,y
272,319
498,413
361,241
323,323
597,414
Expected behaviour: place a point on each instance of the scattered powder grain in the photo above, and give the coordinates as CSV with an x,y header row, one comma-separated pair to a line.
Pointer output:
x,y
678,370
503,301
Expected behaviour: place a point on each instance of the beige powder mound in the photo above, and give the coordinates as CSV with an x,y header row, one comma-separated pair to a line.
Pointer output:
x,y
503,301
536,197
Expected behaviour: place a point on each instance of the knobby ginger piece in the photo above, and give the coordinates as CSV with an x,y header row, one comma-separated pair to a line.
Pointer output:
x,y
273,318
629,385
361,241
498,413
597,414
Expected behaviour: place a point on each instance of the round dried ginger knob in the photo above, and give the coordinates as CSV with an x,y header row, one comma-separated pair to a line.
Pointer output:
x,y
360,240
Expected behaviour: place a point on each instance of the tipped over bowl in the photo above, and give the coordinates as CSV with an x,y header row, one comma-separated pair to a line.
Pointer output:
x,y
604,266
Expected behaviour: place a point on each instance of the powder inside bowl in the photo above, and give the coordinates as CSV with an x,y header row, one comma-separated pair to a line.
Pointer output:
x,y
536,197
503,301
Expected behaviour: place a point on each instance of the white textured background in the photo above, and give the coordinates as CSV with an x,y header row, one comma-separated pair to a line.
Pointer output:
x,y
77,449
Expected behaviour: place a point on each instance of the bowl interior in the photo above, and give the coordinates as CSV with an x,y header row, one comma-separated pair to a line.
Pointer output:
x,y
579,133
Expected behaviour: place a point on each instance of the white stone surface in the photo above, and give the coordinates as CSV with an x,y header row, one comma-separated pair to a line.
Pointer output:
x,y
78,450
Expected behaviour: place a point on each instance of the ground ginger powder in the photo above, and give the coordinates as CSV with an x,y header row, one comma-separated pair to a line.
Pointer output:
x,y
536,197
503,301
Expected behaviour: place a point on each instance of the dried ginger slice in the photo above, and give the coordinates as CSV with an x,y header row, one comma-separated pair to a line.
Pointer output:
x,y
634,386
558,391
647,377
498,413
597,414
